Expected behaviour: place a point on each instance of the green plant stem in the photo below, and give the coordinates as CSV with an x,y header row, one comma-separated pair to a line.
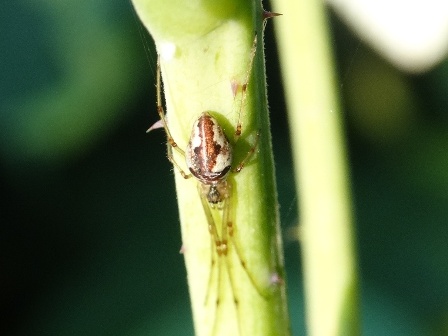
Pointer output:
x,y
204,48
326,231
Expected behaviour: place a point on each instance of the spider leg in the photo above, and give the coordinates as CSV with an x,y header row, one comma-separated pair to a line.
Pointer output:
x,y
229,233
214,238
244,86
170,143
169,154
216,247
248,155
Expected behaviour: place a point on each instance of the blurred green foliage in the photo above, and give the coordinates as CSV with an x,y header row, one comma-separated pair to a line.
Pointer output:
x,y
89,234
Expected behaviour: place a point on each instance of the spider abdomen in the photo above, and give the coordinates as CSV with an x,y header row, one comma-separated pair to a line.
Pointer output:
x,y
208,153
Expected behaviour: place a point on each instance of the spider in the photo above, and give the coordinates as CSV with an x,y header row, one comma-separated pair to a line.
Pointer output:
x,y
209,159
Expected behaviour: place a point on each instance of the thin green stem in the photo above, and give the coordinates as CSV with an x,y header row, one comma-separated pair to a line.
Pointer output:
x,y
326,228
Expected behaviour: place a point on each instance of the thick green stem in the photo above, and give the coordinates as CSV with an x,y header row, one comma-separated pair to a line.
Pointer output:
x,y
326,233
205,48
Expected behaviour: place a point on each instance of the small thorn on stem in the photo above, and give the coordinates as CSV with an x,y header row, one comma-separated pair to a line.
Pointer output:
x,y
234,86
182,249
276,279
268,15
156,125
